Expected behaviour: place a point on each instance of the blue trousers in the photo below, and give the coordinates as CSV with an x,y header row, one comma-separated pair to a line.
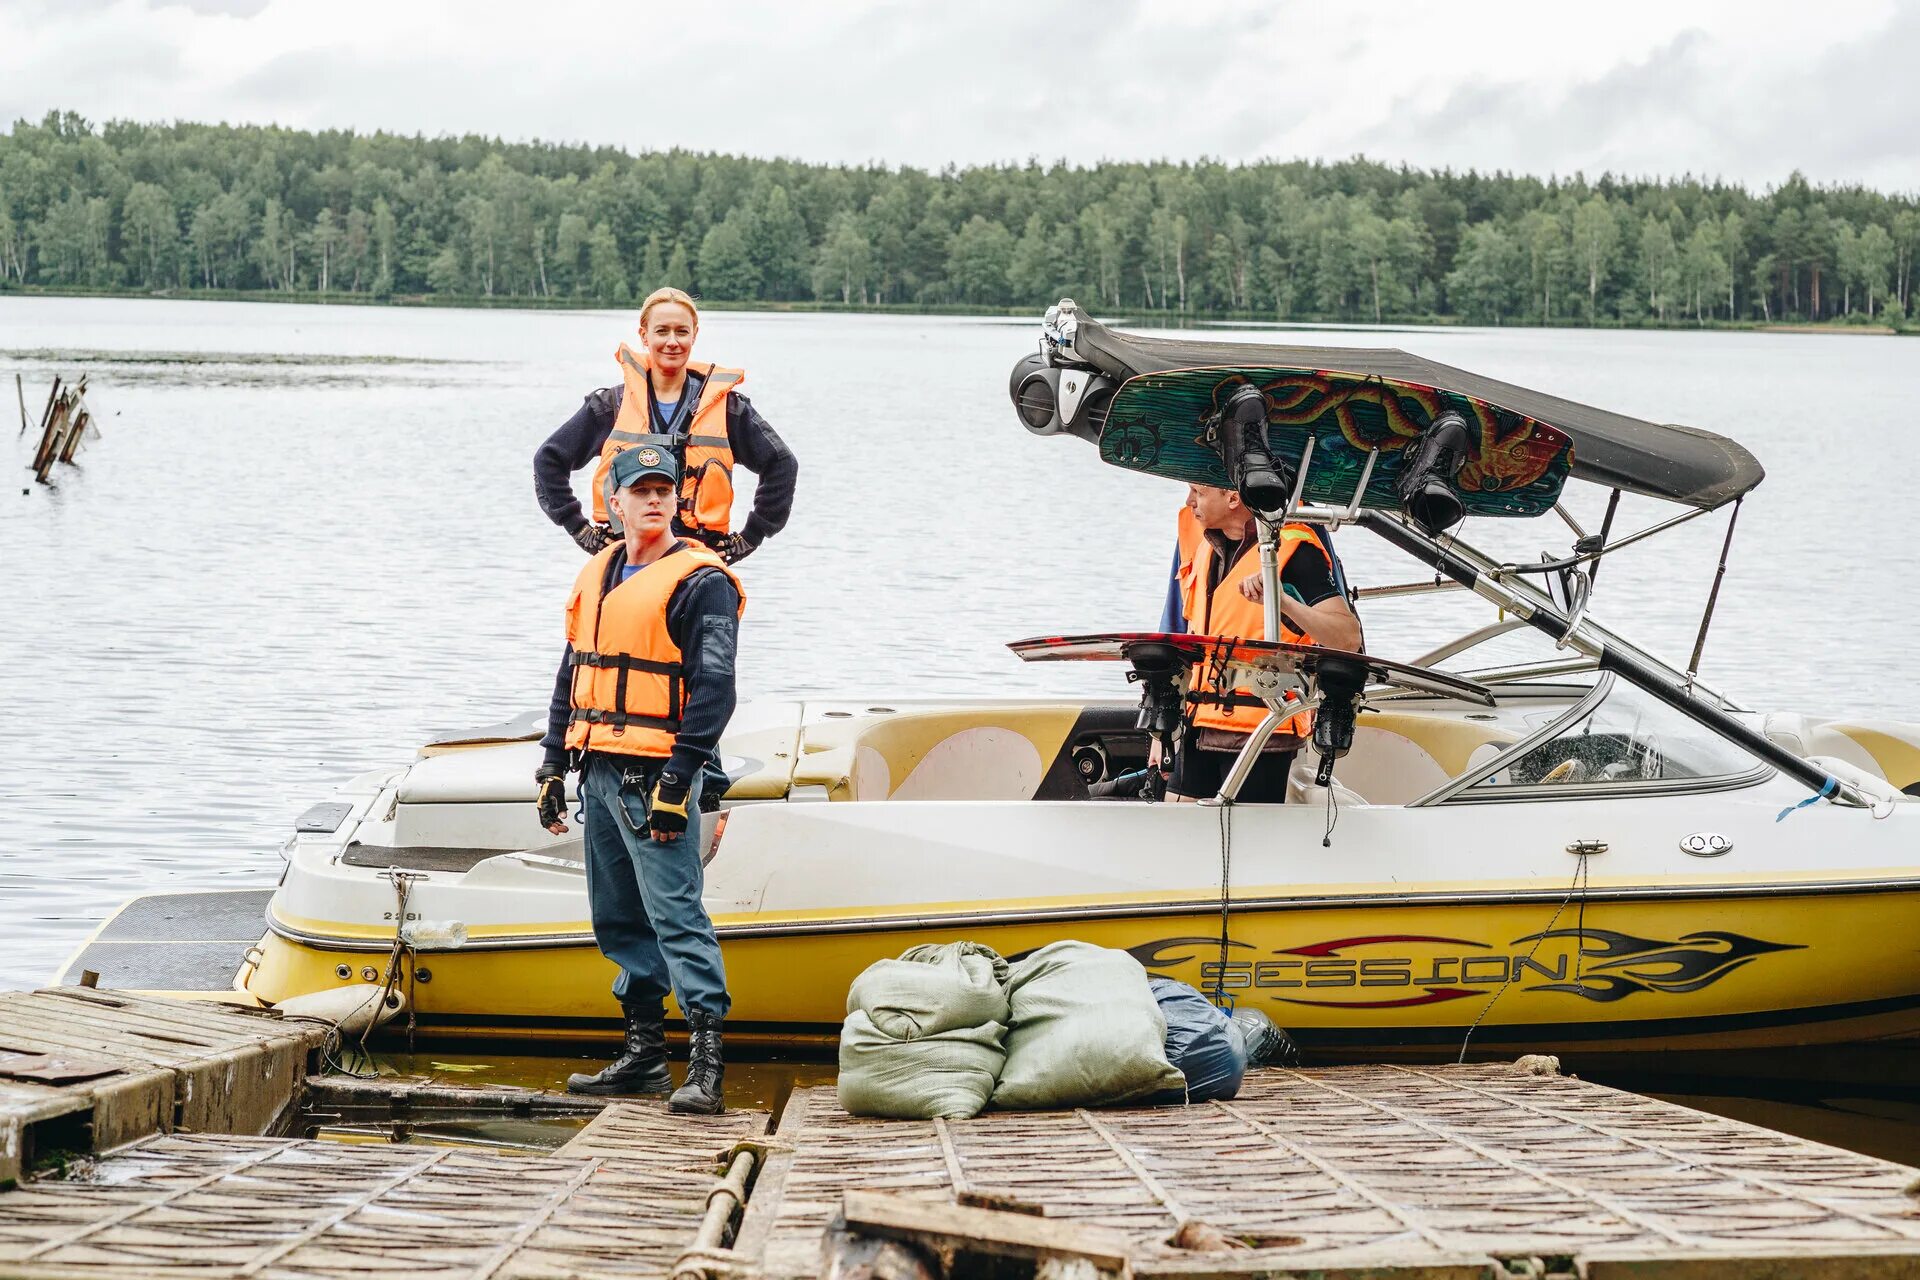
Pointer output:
x,y
644,895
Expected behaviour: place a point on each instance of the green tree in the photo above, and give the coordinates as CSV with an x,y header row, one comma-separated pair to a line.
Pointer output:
x,y
606,273
1596,238
653,267
727,267
1487,280
385,232
777,238
1733,242
271,249
679,270
1906,238
1549,255
150,231
845,262
325,241
1706,270
570,240
219,235
1874,262
1659,265
977,262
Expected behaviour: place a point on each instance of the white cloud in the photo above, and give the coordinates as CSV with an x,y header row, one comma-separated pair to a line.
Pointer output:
x,y
1748,91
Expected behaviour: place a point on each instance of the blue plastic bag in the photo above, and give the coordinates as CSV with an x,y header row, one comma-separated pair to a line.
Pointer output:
x,y
1201,1042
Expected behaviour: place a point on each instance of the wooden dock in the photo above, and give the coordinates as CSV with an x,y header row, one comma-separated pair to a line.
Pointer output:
x,y
93,1070
1471,1171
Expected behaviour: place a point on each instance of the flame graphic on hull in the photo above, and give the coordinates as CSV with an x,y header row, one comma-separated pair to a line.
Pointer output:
x,y
1628,964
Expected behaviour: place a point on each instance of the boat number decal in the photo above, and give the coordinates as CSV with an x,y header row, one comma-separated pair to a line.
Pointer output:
x,y
1706,844
1596,964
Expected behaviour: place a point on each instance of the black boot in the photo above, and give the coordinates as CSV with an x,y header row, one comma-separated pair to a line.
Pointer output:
x,y
701,1095
642,1064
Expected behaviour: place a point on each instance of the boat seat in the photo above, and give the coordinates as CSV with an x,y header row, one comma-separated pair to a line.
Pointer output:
x,y
967,753
1400,756
1876,747
1302,789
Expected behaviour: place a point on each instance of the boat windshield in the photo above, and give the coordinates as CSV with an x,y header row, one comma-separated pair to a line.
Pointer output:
x,y
1621,737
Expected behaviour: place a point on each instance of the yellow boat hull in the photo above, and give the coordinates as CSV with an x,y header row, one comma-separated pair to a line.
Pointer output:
x,y
1690,971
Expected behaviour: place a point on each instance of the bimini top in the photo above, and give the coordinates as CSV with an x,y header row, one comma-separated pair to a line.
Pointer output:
x,y
1674,463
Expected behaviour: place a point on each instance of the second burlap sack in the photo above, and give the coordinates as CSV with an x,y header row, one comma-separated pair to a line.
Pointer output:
x,y
1086,1031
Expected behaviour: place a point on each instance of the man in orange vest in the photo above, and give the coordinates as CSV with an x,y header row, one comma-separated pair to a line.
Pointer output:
x,y
1222,595
644,691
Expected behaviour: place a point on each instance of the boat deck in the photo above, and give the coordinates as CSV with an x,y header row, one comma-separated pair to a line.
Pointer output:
x,y
1357,1171
191,941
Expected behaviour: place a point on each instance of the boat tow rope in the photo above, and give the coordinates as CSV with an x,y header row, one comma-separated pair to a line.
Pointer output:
x,y
1221,998
1579,886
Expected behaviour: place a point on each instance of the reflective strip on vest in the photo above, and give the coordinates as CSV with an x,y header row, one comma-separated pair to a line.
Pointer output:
x,y
627,680
1223,611
705,452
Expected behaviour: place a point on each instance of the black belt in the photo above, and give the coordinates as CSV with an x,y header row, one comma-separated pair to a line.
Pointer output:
x,y
623,719
624,662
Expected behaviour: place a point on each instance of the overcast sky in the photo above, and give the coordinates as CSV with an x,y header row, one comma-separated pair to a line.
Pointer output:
x,y
1747,91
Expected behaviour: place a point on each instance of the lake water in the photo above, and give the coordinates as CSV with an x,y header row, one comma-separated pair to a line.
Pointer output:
x,y
307,540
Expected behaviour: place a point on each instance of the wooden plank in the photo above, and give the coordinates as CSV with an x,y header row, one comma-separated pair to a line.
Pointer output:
x,y
985,1231
196,1065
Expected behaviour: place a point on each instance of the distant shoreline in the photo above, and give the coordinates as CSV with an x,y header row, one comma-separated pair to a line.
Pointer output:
x,y
1188,320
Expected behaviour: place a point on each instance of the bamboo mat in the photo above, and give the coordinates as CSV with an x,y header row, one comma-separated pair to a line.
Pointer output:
x,y
1432,1171
283,1209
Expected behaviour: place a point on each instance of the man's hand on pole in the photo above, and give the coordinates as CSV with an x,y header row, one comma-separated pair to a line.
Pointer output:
x,y
592,537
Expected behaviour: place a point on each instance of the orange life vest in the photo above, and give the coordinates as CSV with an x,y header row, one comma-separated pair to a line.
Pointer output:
x,y
1223,611
706,456
1188,535
628,683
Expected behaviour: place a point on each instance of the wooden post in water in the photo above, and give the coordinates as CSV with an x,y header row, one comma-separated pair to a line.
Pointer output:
x,y
62,426
82,420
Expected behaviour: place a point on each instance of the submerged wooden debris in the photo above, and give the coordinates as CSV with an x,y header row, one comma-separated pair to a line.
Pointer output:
x,y
64,422
1375,1171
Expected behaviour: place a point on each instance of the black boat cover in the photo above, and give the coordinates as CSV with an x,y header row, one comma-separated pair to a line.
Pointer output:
x,y
1659,460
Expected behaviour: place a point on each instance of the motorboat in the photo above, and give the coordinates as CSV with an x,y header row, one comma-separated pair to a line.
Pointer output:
x,y
1587,850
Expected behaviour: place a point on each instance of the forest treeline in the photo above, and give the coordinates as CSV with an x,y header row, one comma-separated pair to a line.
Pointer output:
x,y
167,207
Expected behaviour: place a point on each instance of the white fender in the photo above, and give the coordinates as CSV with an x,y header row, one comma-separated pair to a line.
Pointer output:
x,y
350,1008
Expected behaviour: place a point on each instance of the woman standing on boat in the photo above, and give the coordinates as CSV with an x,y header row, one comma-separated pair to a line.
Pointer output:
x,y
693,410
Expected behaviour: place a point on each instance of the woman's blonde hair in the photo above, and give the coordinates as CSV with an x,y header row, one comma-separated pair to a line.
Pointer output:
x,y
667,293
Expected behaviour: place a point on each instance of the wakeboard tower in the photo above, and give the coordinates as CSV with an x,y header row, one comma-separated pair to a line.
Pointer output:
x,y
1402,446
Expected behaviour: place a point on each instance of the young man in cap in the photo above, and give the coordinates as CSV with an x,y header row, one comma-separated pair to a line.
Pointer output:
x,y
1222,594
643,693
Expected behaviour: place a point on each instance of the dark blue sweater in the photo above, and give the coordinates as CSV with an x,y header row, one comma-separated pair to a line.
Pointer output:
x,y
578,441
